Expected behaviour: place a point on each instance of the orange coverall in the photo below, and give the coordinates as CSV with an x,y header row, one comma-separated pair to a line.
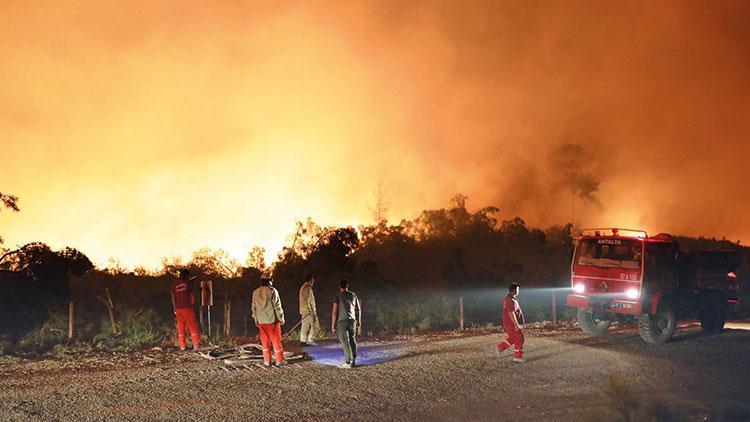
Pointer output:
x,y
515,336
271,333
182,293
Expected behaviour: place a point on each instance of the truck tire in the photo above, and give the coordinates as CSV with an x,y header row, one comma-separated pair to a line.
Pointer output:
x,y
590,324
658,328
713,313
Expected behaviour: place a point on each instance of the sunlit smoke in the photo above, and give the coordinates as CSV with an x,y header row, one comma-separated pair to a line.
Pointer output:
x,y
159,128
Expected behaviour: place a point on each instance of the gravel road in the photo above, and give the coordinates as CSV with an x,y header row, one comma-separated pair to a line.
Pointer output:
x,y
444,377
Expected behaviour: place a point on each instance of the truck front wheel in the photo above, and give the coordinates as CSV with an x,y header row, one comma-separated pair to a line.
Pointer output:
x,y
591,324
658,328
713,313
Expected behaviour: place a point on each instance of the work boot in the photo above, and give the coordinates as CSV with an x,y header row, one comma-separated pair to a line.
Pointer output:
x,y
519,360
281,363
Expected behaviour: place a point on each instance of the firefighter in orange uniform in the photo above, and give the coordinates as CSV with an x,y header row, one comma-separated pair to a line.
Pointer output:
x,y
269,317
182,303
512,322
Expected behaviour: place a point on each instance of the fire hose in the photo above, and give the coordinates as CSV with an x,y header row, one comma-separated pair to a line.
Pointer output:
x,y
317,327
291,329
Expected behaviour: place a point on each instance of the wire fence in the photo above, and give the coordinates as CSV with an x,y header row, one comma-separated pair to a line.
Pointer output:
x,y
230,314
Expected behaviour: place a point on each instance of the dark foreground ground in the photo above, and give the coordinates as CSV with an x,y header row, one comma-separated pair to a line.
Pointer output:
x,y
447,377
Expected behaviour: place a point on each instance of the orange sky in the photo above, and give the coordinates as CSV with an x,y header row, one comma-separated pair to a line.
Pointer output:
x,y
151,129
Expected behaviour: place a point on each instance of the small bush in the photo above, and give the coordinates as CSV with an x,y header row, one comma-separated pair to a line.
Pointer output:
x,y
621,397
623,402
294,335
217,338
63,350
138,330
43,338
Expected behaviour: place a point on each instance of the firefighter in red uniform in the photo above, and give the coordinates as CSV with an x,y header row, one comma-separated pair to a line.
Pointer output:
x,y
182,303
512,322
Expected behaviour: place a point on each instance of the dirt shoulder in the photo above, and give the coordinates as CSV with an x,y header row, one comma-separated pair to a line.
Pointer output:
x,y
424,378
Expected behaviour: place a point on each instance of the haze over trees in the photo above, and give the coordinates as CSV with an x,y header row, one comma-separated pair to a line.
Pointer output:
x,y
409,274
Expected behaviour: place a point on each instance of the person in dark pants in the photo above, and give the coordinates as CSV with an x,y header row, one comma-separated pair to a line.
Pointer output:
x,y
346,319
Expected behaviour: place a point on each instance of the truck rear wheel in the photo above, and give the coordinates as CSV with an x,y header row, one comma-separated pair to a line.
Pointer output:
x,y
658,328
591,324
713,313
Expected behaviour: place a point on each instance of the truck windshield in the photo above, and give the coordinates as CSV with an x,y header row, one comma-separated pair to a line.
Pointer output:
x,y
610,253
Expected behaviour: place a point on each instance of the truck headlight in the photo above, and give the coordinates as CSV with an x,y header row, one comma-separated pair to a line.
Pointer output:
x,y
579,288
631,293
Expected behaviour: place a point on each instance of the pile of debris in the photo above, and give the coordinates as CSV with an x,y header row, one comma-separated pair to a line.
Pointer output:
x,y
246,356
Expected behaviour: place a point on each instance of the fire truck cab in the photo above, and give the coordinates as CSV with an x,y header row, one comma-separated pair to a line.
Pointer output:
x,y
625,275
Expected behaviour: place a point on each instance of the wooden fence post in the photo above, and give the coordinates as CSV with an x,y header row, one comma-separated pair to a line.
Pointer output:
x,y
228,318
554,308
70,320
461,313
208,312
110,308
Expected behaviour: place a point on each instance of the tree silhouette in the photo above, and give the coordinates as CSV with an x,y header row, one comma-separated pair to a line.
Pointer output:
x,y
256,258
380,208
40,263
10,202
41,281
215,262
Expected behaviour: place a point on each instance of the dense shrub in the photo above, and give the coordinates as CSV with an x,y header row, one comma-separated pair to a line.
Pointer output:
x,y
45,336
137,330
622,401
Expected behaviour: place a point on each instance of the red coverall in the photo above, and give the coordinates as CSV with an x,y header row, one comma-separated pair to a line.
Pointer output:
x,y
271,333
182,292
515,336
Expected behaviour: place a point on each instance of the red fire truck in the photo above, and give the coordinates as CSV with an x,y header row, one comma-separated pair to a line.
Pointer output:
x,y
628,276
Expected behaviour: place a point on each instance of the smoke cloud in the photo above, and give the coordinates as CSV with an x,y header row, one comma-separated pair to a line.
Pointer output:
x,y
156,128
